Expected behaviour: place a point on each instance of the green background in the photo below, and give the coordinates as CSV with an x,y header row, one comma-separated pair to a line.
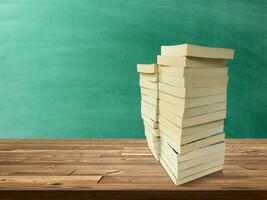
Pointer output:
x,y
68,67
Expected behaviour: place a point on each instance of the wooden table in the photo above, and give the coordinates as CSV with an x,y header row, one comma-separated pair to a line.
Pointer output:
x,y
121,169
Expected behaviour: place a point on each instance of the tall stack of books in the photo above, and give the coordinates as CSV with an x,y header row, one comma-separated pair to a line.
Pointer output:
x,y
150,105
192,108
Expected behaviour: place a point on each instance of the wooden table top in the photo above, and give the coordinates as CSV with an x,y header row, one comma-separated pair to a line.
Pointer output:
x,y
120,165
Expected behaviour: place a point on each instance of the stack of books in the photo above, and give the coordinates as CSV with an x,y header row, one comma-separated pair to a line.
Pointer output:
x,y
150,105
192,108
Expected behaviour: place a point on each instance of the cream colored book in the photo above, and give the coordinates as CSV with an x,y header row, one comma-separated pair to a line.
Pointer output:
x,y
190,177
153,143
192,82
191,92
189,130
150,114
151,137
151,100
192,102
197,51
193,121
149,92
193,72
150,107
155,153
185,139
149,77
182,149
153,131
147,68
154,146
193,155
180,174
175,61
150,122
174,111
194,162
148,84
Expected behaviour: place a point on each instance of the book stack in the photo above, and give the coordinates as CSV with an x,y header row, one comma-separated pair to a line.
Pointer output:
x,y
150,105
192,107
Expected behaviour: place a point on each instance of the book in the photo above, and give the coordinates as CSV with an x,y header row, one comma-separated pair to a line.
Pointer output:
x,y
193,72
197,51
191,92
180,174
179,166
192,176
175,61
150,122
192,102
174,111
150,111
189,130
151,100
185,148
194,173
185,139
195,120
150,136
192,155
154,131
149,92
192,82
149,77
148,84
150,107
149,114
147,68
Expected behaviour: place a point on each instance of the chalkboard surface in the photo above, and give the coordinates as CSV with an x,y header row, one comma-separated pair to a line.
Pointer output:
x,y
68,68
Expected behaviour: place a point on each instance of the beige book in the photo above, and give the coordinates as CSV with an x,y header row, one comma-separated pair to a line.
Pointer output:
x,y
192,176
151,100
150,122
148,84
198,153
174,111
194,162
191,92
193,121
176,61
192,82
151,137
153,145
154,152
185,139
150,114
192,102
197,51
153,131
182,149
149,77
193,72
189,130
150,107
149,92
147,68
180,174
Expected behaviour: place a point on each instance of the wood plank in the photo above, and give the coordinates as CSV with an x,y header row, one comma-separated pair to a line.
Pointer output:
x,y
119,165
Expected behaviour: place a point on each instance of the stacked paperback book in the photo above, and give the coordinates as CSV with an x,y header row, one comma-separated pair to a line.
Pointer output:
x,y
192,88
150,105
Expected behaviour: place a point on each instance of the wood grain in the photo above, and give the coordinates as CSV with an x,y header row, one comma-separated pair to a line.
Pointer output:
x,y
60,168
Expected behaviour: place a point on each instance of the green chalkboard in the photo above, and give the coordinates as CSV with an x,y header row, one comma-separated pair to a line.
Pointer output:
x,y
68,67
